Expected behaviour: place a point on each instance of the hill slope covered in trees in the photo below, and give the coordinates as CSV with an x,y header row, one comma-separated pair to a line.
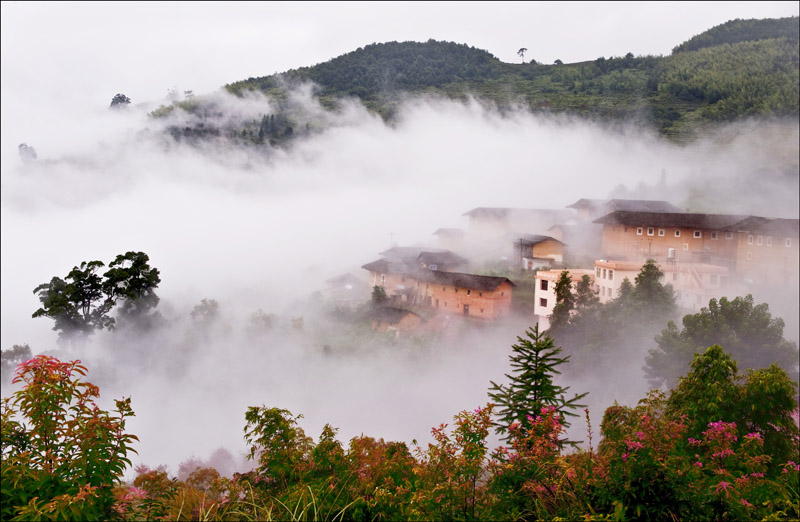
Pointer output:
x,y
743,68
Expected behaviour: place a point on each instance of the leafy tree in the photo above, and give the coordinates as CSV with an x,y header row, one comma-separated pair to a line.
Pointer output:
x,y
277,444
747,331
77,303
131,280
19,353
585,295
61,454
534,364
379,297
81,303
558,62
650,295
764,403
521,53
119,100
565,301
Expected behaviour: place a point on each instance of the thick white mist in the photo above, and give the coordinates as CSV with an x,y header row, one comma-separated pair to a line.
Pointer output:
x,y
265,232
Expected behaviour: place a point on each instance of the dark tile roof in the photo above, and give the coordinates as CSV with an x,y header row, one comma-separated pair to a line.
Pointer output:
x,y
530,240
775,227
670,219
631,205
402,252
471,281
392,315
503,213
441,258
387,266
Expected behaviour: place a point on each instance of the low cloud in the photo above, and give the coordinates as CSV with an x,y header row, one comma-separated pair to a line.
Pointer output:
x,y
263,228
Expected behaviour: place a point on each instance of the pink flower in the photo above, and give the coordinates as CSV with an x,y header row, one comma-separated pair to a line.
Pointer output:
x,y
624,456
754,435
757,475
640,435
698,464
746,503
633,445
722,486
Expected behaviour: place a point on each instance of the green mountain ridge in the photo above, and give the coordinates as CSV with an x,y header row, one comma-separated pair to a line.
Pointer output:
x,y
740,69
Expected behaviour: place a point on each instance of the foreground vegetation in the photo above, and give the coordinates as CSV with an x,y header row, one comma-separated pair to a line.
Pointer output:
x,y
718,447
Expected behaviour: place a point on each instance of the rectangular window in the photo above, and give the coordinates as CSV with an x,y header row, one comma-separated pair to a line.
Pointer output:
x,y
698,234
651,231
769,240
611,275
759,240
788,242
686,246
728,235
749,256
677,232
480,294
604,273
469,292
749,240
713,235
543,302
433,267
661,232
598,273
639,231
543,284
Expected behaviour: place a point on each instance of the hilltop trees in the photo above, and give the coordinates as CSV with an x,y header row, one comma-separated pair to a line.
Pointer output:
x,y
119,100
81,303
748,331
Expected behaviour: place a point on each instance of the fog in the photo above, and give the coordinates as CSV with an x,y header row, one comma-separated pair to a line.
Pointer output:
x,y
263,229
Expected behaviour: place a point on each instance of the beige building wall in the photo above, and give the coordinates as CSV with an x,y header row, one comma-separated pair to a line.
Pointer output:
x,y
768,260
641,243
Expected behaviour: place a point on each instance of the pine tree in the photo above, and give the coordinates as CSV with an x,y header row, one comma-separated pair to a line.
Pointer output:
x,y
531,386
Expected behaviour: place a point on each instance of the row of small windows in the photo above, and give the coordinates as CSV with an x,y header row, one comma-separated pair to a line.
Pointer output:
x,y
759,240
602,273
698,234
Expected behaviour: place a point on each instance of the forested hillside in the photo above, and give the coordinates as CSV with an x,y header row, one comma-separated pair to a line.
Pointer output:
x,y
742,68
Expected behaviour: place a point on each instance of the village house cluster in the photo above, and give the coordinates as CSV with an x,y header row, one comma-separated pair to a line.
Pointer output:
x,y
470,273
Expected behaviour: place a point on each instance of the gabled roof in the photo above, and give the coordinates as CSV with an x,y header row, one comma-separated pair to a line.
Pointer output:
x,y
631,205
532,239
441,258
403,252
670,219
470,281
504,212
775,226
392,315
345,279
387,266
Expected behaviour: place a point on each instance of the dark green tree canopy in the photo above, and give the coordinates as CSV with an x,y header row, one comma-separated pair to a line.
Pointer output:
x,y
761,402
120,100
748,331
81,303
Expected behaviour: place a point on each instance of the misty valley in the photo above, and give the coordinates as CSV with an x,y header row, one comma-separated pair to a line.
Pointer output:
x,y
415,283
